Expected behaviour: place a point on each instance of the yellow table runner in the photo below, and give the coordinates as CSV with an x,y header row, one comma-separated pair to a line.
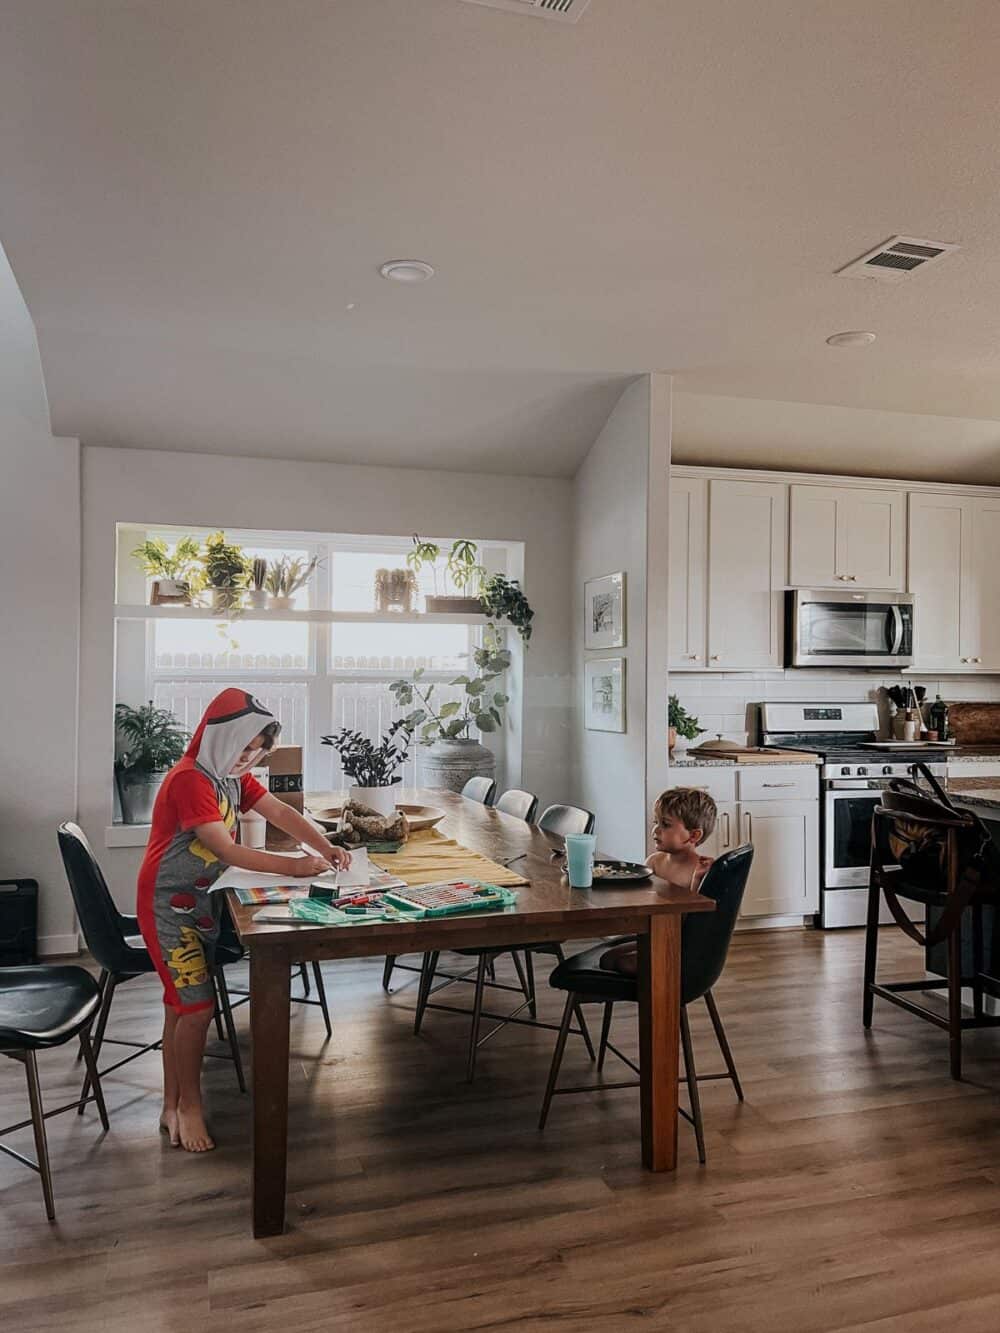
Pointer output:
x,y
430,858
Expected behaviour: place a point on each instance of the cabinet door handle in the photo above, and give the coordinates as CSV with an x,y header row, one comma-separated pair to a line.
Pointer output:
x,y
776,784
749,819
714,657
977,659
693,657
729,831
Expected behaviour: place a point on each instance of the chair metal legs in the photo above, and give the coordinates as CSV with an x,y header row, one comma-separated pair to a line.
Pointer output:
x,y
692,1082
95,1079
720,1036
321,995
609,1008
529,967
423,994
222,990
557,1057
304,974
477,1014
110,983
390,963
38,1125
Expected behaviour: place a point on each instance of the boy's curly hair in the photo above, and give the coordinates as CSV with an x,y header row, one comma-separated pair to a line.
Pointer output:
x,y
695,809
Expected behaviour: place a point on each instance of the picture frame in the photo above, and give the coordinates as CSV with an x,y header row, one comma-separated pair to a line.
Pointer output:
x,y
604,694
604,611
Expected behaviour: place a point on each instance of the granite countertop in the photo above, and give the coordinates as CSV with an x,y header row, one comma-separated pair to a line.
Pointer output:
x,y
974,754
685,761
988,796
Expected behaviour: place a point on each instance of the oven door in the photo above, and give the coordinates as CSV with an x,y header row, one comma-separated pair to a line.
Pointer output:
x,y
850,629
847,833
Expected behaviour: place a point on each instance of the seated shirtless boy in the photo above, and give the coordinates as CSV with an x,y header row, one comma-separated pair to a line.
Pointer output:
x,y
683,818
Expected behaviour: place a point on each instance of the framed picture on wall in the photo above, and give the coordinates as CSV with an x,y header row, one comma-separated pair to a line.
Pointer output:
x,y
604,609
604,697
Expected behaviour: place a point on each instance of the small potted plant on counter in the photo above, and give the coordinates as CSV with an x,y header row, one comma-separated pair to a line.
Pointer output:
x,y
373,769
176,573
285,577
148,742
681,723
257,584
225,572
453,756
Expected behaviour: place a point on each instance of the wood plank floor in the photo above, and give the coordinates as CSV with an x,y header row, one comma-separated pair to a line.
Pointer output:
x,y
857,1188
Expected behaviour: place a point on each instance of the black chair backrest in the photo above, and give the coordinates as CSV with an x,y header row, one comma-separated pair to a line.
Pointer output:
x,y
563,819
100,920
520,804
480,789
705,935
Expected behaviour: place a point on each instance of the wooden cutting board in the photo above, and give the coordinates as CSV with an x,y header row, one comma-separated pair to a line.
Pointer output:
x,y
749,756
975,723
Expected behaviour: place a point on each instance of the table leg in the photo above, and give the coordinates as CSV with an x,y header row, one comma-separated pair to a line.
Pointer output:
x,y
659,1033
270,986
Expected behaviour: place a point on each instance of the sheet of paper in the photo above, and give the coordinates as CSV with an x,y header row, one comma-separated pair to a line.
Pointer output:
x,y
356,876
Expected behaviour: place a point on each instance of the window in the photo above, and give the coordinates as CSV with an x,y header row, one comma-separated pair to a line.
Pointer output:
x,y
314,675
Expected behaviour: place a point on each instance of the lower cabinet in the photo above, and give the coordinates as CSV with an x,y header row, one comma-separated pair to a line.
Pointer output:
x,y
784,878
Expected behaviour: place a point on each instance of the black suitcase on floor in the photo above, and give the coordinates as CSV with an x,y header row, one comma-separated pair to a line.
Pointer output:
x,y
18,922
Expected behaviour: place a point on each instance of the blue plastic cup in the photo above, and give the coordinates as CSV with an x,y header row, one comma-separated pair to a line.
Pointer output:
x,y
580,859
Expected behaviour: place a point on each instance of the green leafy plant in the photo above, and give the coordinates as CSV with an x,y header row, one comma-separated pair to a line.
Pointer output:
x,y
503,599
424,553
158,561
147,739
368,764
286,576
481,707
225,564
681,720
257,576
462,568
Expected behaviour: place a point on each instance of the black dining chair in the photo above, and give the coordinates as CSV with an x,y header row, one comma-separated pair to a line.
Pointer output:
x,y
705,938
520,804
927,852
480,789
42,1007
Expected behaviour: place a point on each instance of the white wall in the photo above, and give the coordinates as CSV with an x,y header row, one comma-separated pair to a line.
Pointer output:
x,y
621,493
152,487
39,611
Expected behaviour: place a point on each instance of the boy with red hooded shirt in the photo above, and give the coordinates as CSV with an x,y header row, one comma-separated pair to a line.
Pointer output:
x,y
191,843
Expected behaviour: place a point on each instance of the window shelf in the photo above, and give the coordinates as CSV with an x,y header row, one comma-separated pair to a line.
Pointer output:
x,y
317,617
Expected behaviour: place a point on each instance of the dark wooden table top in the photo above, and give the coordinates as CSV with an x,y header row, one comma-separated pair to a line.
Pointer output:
x,y
546,901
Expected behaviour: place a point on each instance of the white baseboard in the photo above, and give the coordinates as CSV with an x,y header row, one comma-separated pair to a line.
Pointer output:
x,y
50,946
774,923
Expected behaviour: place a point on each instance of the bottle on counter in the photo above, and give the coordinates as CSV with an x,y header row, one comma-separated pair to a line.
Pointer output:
x,y
939,718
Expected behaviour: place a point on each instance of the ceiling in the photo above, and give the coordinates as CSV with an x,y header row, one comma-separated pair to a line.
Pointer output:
x,y
193,194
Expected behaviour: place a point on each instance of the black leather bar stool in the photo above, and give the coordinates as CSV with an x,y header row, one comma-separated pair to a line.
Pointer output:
x,y
704,946
41,1007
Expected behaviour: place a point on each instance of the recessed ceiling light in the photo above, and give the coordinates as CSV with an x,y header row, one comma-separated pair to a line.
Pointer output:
x,y
407,270
854,338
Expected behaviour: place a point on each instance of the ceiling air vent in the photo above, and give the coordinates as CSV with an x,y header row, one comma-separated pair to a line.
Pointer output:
x,y
896,259
563,11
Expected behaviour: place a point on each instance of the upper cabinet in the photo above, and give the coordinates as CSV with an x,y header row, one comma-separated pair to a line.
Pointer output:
x,y
846,537
747,542
688,572
954,560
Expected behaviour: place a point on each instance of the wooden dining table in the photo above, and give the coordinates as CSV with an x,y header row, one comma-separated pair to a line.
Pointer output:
x,y
547,910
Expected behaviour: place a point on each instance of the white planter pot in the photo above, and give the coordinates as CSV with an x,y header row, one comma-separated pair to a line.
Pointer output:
x,y
257,598
450,764
380,799
283,604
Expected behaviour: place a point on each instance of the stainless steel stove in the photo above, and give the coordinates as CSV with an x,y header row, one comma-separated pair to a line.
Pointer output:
x,y
855,770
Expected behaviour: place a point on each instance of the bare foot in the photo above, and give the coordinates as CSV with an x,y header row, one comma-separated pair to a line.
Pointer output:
x,y
194,1136
168,1126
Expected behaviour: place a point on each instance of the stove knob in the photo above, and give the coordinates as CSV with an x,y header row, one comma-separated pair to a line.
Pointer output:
x,y
845,771
862,771
887,770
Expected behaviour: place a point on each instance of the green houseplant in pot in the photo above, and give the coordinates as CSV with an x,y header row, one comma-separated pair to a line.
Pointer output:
x,y
257,584
453,755
176,574
463,572
286,577
680,723
373,769
225,571
501,598
148,742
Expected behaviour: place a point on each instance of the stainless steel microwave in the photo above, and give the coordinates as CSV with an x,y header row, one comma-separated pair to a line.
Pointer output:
x,y
848,629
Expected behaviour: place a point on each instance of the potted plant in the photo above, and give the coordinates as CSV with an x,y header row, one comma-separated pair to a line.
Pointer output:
x,y
284,579
680,723
257,584
373,769
176,573
225,571
395,590
148,741
453,756
501,598
462,571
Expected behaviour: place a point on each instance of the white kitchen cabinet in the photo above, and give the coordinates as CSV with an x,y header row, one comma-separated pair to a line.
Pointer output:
x,y
846,537
747,541
784,877
726,834
688,585
954,558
